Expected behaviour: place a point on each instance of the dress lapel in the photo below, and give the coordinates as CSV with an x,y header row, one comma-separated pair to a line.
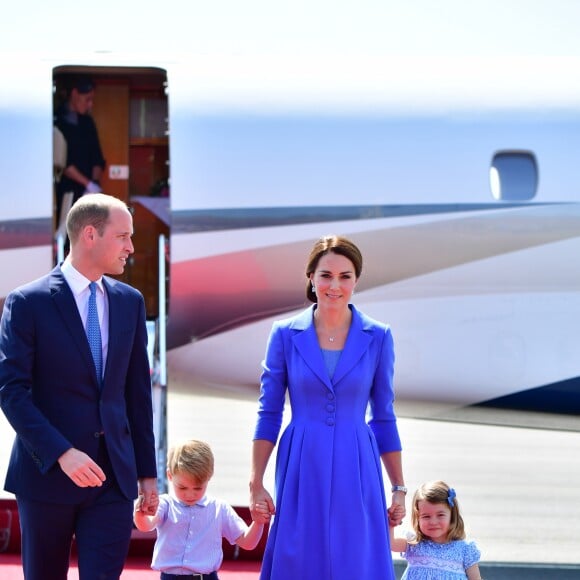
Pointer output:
x,y
306,343
357,343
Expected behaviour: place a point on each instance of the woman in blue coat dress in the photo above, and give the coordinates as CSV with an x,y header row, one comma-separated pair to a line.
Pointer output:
x,y
331,519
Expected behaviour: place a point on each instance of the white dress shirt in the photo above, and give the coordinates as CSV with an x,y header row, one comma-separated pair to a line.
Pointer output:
x,y
79,286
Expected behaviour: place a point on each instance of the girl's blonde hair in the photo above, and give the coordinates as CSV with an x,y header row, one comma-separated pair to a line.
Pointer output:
x,y
438,492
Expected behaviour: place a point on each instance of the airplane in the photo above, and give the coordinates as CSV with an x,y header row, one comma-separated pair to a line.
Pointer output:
x,y
467,213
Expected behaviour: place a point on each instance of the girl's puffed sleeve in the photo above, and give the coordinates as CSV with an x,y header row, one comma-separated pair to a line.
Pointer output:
x,y
471,554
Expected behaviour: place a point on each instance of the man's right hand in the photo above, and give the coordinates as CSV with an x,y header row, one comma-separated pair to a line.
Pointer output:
x,y
81,469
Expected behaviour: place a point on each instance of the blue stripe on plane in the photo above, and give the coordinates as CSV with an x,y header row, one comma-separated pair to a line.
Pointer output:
x,y
38,231
562,397
189,221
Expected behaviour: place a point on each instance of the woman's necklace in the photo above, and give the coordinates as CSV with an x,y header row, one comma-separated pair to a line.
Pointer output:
x,y
331,338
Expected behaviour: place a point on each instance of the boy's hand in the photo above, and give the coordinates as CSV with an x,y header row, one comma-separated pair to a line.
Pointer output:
x,y
261,498
261,513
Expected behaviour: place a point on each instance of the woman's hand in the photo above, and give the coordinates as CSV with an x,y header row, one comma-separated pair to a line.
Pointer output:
x,y
397,510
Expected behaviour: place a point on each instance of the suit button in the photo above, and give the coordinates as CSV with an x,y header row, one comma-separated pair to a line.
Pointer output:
x,y
98,434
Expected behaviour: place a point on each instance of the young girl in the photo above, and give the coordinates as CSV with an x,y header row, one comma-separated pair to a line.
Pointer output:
x,y
437,549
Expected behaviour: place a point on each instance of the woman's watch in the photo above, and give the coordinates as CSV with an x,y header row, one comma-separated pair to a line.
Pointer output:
x,y
399,488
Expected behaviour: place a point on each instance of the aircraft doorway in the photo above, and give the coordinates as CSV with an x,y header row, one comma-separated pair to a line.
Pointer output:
x,y
130,112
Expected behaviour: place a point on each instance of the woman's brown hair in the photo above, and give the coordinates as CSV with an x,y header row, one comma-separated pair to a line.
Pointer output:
x,y
331,244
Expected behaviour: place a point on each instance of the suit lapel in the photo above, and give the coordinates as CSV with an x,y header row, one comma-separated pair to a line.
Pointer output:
x,y
64,302
115,313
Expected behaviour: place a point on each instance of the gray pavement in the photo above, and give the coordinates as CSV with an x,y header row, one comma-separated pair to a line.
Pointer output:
x,y
517,487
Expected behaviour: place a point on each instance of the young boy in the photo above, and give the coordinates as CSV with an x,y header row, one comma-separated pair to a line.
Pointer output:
x,y
190,525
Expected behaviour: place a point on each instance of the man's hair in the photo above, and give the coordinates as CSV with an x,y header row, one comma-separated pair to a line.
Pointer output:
x,y
82,84
193,458
91,210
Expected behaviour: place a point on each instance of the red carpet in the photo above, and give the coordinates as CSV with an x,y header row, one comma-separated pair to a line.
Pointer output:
x,y
137,569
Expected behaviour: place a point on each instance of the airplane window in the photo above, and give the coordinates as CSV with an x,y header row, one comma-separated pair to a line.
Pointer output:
x,y
513,175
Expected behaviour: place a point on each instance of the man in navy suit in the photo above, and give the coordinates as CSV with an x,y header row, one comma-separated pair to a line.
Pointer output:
x,y
84,446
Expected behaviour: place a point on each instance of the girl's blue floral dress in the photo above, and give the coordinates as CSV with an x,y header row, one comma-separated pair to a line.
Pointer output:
x,y
429,560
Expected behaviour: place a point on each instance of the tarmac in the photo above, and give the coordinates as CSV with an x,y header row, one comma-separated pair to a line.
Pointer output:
x,y
138,569
517,487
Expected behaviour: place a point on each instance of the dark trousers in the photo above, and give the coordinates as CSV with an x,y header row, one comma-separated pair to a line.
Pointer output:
x,y
101,526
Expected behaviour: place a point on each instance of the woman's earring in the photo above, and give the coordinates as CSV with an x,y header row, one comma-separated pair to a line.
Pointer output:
x,y
313,287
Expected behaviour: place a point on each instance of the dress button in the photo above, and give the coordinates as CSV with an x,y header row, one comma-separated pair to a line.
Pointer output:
x,y
330,408
330,421
330,396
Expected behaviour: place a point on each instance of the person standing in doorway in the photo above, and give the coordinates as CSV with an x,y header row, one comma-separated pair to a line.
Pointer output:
x,y
75,386
84,158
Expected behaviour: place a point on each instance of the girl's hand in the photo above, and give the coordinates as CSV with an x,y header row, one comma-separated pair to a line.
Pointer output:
x,y
397,511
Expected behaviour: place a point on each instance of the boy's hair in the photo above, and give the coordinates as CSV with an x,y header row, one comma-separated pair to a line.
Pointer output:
x,y
192,457
438,492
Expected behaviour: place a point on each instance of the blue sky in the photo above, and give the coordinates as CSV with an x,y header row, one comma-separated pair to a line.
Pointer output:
x,y
453,59
316,54
298,28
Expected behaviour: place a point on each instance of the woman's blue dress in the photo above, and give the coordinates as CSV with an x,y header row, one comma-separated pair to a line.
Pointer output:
x,y
331,513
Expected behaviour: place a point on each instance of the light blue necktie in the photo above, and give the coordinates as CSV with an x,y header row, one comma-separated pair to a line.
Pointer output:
x,y
94,331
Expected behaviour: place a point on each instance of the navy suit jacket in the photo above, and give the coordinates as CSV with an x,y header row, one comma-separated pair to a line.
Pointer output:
x,y
50,394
